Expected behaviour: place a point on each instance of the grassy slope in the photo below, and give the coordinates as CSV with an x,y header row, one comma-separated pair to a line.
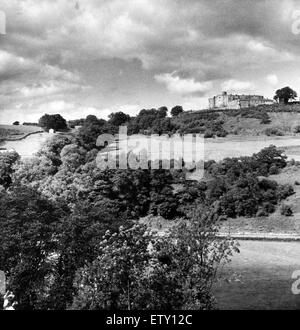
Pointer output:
x,y
283,117
284,121
274,223
17,132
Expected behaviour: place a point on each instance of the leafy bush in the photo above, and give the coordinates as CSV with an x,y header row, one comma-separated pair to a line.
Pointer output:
x,y
284,191
286,210
176,273
208,134
273,131
7,160
221,133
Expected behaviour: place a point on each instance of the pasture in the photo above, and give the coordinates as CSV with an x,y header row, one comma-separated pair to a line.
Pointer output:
x,y
12,132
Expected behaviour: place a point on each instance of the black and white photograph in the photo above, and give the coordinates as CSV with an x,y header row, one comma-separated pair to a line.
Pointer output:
x,y
149,157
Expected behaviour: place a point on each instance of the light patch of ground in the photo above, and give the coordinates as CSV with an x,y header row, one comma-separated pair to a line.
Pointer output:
x,y
29,146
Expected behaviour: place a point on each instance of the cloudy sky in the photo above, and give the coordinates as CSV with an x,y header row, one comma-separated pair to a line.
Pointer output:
x,y
96,56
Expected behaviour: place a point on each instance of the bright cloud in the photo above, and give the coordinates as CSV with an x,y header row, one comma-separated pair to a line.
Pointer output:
x,y
178,85
233,85
272,79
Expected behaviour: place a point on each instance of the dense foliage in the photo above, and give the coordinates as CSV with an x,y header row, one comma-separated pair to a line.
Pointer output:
x,y
177,110
285,95
7,160
56,122
176,273
210,123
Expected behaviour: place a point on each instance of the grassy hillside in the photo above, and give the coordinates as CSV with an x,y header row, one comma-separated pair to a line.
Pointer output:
x,y
11,132
281,123
275,222
271,120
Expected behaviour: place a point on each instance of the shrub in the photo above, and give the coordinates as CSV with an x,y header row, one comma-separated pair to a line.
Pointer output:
x,y
208,134
286,210
296,129
266,184
268,207
221,133
274,169
261,213
177,273
273,131
285,191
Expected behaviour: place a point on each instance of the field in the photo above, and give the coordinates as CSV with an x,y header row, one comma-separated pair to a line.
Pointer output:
x,y
26,148
260,277
11,132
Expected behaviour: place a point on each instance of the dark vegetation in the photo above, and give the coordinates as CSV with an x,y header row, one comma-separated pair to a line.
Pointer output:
x,y
76,122
30,124
155,121
177,110
284,95
56,122
286,210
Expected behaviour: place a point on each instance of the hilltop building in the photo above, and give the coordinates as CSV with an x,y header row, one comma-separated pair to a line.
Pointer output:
x,y
234,101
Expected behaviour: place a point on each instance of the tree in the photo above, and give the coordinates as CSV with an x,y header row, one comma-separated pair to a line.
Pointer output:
x,y
118,118
136,270
151,121
163,111
27,229
52,148
91,119
79,236
284,95
56,122
16,123
176,111
7,160
89,132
